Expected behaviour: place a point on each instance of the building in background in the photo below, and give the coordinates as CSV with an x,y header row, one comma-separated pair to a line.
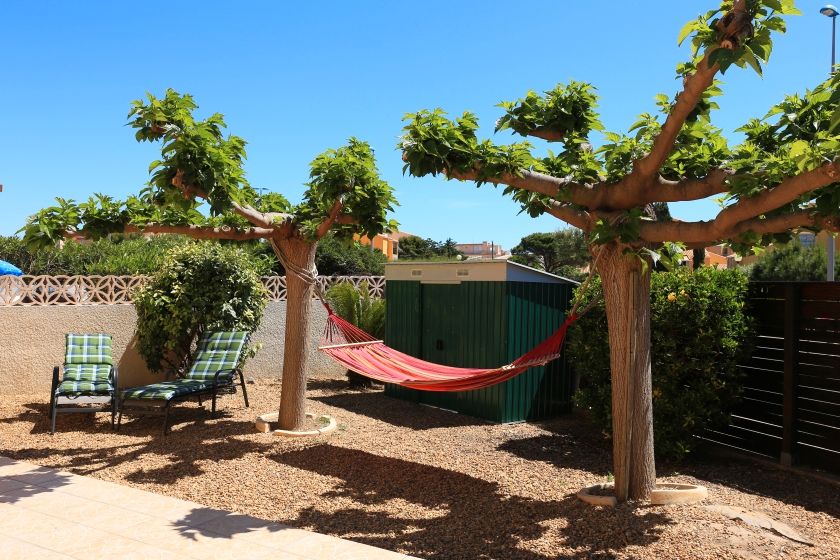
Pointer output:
x,y
483,250
387,243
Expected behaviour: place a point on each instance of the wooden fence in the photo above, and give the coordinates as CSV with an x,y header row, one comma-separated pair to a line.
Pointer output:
x,y
790,410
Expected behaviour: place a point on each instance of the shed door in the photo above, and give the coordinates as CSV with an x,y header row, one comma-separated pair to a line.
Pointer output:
x,y
440,318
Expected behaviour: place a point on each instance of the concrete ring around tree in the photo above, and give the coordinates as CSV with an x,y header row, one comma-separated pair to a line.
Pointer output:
x,y
665,493
268,423
675,493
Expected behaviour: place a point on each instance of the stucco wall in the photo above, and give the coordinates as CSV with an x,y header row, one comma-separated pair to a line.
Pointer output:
x,y
32,343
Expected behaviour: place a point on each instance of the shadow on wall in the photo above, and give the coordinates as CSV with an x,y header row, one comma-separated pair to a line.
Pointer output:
x,y
132,368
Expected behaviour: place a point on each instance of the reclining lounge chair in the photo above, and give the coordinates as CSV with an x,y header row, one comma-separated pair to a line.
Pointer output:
x,y
89,377
217,363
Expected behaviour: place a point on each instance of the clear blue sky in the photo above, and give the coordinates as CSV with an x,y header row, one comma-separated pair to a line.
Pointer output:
x,y
297,78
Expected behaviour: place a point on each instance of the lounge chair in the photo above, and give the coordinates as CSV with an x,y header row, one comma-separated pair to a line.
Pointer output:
x,y
217,363
89,378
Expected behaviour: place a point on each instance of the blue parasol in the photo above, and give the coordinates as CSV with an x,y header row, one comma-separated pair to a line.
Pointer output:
x,y
9,268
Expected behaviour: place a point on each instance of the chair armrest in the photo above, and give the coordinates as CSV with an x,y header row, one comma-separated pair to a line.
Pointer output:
x,y
115,378
230,371
56,369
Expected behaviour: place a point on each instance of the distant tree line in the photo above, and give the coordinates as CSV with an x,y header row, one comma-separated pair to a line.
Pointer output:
x,y
138,255
563,252
413,247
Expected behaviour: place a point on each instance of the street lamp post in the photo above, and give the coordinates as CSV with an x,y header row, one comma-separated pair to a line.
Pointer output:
x,y
831,11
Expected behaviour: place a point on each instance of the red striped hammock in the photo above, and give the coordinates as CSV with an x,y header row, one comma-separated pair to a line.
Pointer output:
x,y
358,351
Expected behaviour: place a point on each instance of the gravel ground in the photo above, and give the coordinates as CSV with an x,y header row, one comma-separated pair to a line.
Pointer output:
x,y
426,482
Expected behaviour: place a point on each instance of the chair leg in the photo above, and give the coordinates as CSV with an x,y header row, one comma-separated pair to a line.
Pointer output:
x,y
113,411
213,408
119,416
244,391
166,418
53,412
199,400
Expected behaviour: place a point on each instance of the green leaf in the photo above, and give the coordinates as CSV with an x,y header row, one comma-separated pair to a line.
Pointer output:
x,y
687,30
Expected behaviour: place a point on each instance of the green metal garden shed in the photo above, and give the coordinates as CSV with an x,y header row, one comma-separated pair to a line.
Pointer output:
x,y
480,314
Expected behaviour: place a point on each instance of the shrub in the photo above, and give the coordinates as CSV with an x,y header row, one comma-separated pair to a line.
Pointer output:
x,y
336,258
699,332
791,262
200,287
360,309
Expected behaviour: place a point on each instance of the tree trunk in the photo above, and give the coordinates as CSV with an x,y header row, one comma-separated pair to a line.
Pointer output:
x,y
299,292
626,284
698,256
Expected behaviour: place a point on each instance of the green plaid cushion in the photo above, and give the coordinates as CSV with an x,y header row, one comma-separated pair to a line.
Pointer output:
x,y
89,349
166,389
80,388
217,351
87,372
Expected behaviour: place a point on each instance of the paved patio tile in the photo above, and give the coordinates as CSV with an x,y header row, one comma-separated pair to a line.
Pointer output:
x,y
51,514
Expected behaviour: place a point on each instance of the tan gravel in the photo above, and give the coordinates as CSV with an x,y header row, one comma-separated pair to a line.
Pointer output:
x,y
426,482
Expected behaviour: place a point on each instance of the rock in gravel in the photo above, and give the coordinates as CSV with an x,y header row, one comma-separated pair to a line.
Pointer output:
x,y
761,520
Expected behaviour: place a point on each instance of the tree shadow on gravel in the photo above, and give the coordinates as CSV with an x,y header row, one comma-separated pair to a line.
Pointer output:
x,y
397,412
444,513
196,438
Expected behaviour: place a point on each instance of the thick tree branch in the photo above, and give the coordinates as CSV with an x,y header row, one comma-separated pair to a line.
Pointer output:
x,y
730,221
692,92
201,232
547,134
540,183
328,222
251,214
784,193
690,189
346,219
579,219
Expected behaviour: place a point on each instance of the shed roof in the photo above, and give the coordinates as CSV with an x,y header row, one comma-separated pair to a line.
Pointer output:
x,y
487,270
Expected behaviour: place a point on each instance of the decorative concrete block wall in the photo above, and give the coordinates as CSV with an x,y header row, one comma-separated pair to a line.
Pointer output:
x,y
36,312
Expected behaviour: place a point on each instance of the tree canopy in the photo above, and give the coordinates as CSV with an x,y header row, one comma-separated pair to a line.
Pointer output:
x,y
199,188
563,252
782,177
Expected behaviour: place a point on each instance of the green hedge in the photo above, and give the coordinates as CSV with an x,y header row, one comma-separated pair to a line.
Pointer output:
x,y
127,255
699,332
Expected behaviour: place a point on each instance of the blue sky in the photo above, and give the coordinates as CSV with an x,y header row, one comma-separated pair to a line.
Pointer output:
x,y
294,79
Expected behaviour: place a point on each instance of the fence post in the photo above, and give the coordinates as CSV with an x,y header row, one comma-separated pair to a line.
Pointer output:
x,y
792,302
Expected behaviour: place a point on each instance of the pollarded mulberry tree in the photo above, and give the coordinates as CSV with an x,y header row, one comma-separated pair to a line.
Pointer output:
x,y
198,188
783,177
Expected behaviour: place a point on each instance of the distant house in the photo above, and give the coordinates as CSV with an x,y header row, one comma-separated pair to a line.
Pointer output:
x,y
483,250
387,243
718,256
